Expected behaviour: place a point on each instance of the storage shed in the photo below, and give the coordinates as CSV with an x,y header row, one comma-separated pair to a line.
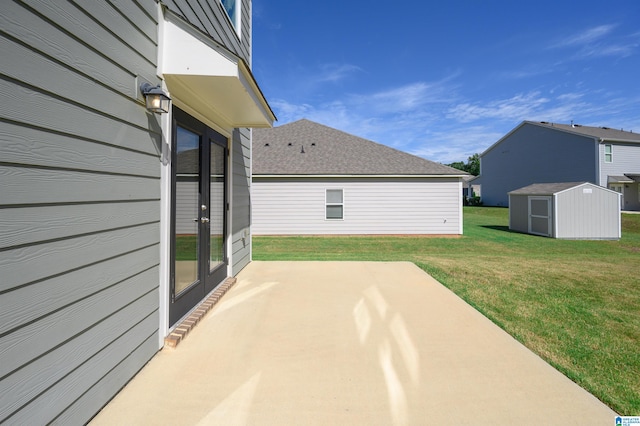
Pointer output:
x,y
574,210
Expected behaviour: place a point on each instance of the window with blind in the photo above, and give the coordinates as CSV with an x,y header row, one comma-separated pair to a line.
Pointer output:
x,y
334,204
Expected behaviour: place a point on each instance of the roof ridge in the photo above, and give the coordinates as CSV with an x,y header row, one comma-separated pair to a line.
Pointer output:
x,y
601,132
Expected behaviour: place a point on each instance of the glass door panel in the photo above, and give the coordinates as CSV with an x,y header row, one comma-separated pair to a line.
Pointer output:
x,y
186,209
217,205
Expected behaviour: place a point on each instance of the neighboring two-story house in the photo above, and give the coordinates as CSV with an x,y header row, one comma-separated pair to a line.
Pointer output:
x,y
542,152
95,270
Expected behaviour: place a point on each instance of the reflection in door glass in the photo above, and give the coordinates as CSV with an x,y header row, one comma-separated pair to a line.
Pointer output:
x,y
217,206
187,190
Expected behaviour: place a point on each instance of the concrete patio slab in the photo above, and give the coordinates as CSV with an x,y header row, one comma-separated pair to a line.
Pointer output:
x,y
348,343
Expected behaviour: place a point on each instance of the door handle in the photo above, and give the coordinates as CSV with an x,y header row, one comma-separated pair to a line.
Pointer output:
x,y
204,219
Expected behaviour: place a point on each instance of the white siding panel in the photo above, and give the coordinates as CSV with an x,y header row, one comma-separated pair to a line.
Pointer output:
x,y
371,206
588,212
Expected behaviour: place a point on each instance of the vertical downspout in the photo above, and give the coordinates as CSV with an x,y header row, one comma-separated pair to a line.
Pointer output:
x,y
228,208
599,161
460,208
249,230
250,233
165,200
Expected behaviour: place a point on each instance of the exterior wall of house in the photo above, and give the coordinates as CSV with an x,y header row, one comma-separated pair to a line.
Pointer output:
x,y
79,206
625,159
535,154
371,206
587,212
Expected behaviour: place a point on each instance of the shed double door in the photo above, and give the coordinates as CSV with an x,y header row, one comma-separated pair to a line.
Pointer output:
x,y
199,220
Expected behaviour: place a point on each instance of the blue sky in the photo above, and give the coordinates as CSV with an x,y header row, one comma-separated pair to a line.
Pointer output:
x,y
444,80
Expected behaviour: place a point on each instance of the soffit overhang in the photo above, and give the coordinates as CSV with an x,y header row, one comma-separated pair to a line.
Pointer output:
x,y
209,78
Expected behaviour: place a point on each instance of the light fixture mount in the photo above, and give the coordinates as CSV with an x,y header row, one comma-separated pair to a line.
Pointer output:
x,y
156,99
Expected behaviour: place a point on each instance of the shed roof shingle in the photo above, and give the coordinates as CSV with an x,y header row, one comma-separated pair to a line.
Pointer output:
x,y
545,188
304,147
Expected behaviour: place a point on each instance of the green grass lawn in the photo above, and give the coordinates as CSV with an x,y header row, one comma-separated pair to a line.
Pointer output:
x,y
574,303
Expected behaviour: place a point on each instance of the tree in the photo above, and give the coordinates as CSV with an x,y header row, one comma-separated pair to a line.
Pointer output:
x,y
472,165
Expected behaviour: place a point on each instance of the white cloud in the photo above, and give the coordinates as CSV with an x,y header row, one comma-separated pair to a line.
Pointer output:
x,y
514,108
586,37
598,42
404,98
336,72
457,143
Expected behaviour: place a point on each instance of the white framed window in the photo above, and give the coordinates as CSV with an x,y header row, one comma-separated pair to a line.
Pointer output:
x,y
232,7
334,204
608,153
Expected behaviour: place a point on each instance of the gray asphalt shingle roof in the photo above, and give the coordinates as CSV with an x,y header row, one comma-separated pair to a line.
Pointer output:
x,y
308,148
605,133
545,188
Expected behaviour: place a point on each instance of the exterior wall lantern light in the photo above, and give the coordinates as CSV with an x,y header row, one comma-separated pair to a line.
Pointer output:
x,y
157,100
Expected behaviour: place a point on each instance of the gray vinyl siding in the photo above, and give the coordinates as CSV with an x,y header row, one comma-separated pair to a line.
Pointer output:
x,y
535,154
241,181
371,206
79,206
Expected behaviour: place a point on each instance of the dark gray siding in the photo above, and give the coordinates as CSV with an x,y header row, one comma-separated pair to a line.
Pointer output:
x,y
79,206
535,154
